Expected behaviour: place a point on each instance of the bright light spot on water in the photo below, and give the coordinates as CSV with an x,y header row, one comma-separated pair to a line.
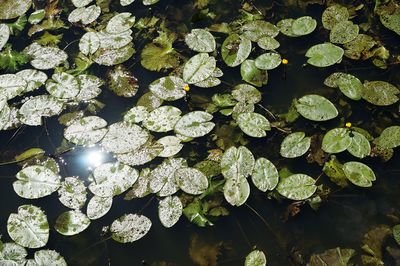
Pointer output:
x,y
94,158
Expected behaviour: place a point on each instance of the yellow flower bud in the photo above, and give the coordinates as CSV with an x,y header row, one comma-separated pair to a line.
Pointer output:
x,y
285,61
348,125
186,87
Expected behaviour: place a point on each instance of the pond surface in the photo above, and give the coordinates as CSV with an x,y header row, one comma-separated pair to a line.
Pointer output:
x,y
343,218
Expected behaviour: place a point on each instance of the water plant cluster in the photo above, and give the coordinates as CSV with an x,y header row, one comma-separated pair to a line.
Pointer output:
x,y
192,103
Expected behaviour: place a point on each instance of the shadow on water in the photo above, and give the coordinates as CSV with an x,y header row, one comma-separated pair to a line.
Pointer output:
x,y
341,221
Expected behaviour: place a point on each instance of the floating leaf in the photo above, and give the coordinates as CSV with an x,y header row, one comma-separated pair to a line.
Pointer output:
x,y
200,40
268,43
303,25
126,2
297,187
246,93
268,61
295,145
253,75
114,41
396,233
63,85
29,227
360,146
162,178
198,68
72,193
256,258
33,78
336,140
28,154
141,187
136,114
285,27
4,114
194,124
324,54
81,3
170,210
144,154
168,88
191,180
380,93
36,182
111,179
208,83
391,20
122,82
10,9
389,138
333,15
254,30
235,49
98,207
110,57
162,119
86,15
172,145
89,43
359,174
348,84
4,35
71,223
12,254
89,87
130,227
123,137
333,257
253,124
86,130
11,86
120,23
316,108
265,175
237,163
49,257
236,191
343,32
44,57
359,47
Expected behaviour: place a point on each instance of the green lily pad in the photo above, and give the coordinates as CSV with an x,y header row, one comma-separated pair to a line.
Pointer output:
x,y
10,9
380,93
256,258
130,227
48,257
236,191
110,57
343,32
389,138
359,146
324,54
171,144
295,145
237,163
348,84
198,68
191,180
391,20
168,88
396,233
4,35
336,140
29,227
162,178
63,85
333,15
253,124
246,93
254,30
304,25
285,27
194,124
142,155
162,119
122,82
359,174
297,187
235,49
200,40
71,223
268,43
268,61
136,114
120,23
316,108
253,75
265,175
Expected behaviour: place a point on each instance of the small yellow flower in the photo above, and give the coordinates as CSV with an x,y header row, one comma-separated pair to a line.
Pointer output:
x,y
285,61
186,87
348,124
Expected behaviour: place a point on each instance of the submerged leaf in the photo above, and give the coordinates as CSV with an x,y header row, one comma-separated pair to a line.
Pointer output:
x,y
332,257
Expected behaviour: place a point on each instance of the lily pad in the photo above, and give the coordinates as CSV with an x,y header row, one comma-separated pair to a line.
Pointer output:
x,y
236,191
235,49
334,257
198,68
200,40
110,57
360,146
11,86
44,57
336,140
12,254
253,124
98,207
268,43
4,35
304,25
333,15
72,193
87,130
265,175
172,145
343,32
254,30
391,20
142,155
10,9
168,88
136,114
246,93
34,78
169,211
295,145
194,124
268,61
256,258
297,187
359,174
130,228
120,23
191,180
49,257
285,27
380,93
63,85
237,163
29,227
162,119
253,75
36,182
348,84
71,223
162,178
89,43
316,108
324,55
389,138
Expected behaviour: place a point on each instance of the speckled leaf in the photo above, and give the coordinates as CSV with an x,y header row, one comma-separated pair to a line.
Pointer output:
x,y
122,82
194,124
343,32
162,179
141,187
110,57
316,108
29,227
49,257
391,20
235,49
10,9
120,23
111,179
336,140
285,27
44,57
380,93
12,254
89,43
348,84
297,187
255,258
295,145
396,233
71,223
265,175
389,138
123,137
168,88
72,193
81,3
172,145
191,180
36,182
237,163
11,86
136,114
89,86
253,124
4,35
32,111
63,85
268,61
268,43
144,154
126,2
34,78
87,130
114,41
246,93
253,75
359,146
324,54
4,114
162,119
150,101
359,174
208,83
254,30
200,40
236,191
333,15
198,68
98,207
130,227
304,25
169,211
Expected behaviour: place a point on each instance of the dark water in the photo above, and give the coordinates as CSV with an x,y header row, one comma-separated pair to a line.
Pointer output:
x,y
342,219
